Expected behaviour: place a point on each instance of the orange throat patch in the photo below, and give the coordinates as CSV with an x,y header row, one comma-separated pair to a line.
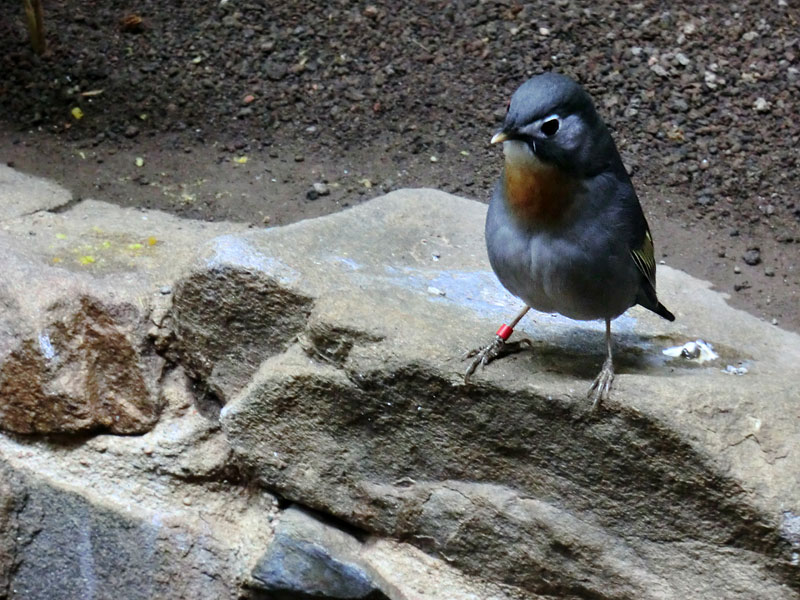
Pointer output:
x,y
537,194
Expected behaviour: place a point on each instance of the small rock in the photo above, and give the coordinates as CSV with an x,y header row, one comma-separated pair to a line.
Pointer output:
x,y
165,290
131,131
659,70
769,272
761,105
299,158
752,257
308,558
737,269
434,291
682,59
321,189
312,194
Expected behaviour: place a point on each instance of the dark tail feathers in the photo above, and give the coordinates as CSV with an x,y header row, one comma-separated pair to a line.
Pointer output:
x,y
662,311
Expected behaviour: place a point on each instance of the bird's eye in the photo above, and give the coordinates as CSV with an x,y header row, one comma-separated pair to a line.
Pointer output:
x,y
550,126
508,106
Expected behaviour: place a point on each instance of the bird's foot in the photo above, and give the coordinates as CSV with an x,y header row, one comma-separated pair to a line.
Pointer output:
x,y
601,387
497,349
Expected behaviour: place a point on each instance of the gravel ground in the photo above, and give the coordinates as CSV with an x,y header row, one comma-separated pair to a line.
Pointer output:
x,y
236,109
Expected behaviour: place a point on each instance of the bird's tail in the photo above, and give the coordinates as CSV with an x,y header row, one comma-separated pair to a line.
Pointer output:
x,y
662,311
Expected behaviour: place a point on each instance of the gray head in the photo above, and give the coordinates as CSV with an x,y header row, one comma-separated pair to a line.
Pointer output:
x,y
557,119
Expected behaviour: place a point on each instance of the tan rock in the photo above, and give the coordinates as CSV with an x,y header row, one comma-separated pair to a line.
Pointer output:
x,y
80,290
367,417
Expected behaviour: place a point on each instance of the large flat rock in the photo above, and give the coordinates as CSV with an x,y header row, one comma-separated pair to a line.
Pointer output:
x,y
360,409
321,362
88,350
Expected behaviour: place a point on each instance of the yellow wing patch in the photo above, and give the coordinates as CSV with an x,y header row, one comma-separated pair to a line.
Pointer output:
x,y
645,259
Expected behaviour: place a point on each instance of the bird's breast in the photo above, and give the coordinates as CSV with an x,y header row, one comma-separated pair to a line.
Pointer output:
x,y
538,194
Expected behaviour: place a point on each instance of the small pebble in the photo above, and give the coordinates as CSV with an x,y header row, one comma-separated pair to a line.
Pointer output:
x,y
321,189
769,272
165,290
436,291
752,257
761,105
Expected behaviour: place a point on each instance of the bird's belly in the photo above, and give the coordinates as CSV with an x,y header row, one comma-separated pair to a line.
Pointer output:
x,y
550,276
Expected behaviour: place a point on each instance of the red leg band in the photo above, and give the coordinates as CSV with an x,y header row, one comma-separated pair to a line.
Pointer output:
x,y
504,332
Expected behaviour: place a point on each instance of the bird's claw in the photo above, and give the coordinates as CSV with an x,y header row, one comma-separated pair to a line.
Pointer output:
x,y
601,387
496,349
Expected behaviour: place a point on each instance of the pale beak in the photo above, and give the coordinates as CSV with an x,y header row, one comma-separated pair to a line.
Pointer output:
x,y
500,136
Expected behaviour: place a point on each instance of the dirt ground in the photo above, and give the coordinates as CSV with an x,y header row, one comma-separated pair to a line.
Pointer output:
x,y
234,109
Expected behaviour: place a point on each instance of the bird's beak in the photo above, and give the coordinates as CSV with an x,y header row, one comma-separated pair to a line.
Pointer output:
x,y
500,136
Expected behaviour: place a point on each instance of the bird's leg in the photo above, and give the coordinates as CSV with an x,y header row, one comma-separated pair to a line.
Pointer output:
x,y
602,383
498,348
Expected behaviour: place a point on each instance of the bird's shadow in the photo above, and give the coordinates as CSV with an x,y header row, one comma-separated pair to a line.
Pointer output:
x,y
580,353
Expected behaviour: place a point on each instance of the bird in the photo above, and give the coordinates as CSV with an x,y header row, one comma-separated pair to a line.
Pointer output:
x,y
565,231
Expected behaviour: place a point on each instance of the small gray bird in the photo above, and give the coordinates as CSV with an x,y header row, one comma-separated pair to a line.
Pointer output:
x,y
565,231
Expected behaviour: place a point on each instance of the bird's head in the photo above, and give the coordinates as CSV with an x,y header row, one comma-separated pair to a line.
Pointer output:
x,y
552,120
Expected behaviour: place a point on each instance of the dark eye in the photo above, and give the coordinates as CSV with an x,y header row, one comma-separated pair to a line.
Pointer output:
x,y
508,105
550,127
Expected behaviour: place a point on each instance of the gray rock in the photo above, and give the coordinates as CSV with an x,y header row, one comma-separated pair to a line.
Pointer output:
x,y
321,189
311,558
752,257
163,514
344,392
24,195
366,416
135,517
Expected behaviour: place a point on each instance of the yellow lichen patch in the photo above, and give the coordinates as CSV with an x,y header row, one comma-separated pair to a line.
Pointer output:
x,y
151,241
61,236
57,259
86,260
